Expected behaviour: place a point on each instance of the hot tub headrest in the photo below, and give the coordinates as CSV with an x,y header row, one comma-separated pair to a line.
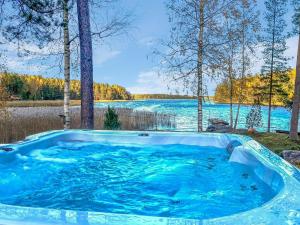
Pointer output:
x,y
232,145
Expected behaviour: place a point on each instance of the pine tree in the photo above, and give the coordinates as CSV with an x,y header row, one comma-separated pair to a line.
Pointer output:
x,y
274,70
111,121
254,117
86,65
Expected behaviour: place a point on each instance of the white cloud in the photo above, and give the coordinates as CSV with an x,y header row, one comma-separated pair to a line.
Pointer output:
x,y
27,58
32,51
150,82
39,61
147,41
102,55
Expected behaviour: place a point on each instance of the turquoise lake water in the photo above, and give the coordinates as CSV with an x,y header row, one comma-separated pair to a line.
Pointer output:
x,y
186,112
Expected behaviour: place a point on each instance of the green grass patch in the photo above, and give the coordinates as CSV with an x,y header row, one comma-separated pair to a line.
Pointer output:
x,y
276,142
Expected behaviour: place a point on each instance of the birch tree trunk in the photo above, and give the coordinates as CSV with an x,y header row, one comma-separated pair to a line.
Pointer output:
x,y
296,100
271,74
200,67
230,73
67,66
231,93
86,65
242,78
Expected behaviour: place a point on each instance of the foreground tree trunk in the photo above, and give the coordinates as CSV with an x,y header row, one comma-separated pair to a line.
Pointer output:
x,y
230,73
86,65
67,62
242,78
271,74
200,67
231,104
296,100
237,115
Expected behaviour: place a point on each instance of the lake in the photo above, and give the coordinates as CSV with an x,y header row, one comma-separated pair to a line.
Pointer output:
x,y
186,112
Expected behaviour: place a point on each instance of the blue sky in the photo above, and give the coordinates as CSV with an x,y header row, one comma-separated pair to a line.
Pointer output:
x,y
133,63
127,60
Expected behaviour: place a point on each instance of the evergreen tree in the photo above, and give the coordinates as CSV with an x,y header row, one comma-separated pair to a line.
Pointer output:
x,y
254,117
33,87
86,65
111,121
274,70
33,21
12,83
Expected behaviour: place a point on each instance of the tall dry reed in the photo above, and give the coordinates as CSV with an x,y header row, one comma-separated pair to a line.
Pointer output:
x,y
4,113
30,120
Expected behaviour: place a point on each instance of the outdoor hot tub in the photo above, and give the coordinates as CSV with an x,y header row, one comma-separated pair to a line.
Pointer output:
x,y
142,178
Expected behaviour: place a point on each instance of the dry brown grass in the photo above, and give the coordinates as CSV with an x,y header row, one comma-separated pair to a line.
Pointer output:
x,y
4,113
24,121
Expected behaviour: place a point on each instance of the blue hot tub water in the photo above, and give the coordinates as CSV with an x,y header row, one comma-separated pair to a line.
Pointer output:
x,y
164,180
156,176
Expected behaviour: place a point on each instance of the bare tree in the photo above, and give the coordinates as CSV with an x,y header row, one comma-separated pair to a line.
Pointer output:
x,y
249,26
230,52
240,33
194,46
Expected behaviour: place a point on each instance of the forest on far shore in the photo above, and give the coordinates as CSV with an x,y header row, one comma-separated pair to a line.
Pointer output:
x,y
252,89
36,87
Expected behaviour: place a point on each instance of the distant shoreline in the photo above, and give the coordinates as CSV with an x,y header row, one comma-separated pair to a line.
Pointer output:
x,y
160,96
50,103
246,104
57,103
